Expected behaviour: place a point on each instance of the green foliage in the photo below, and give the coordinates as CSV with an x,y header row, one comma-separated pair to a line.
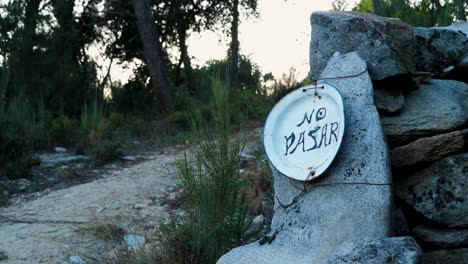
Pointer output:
x,y
424,13
218,215
16,159
105,151
94,122
3,256
249,105
64,131
135,98
108,232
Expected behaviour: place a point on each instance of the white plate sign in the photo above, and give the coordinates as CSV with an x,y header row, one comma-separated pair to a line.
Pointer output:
x,y
303,132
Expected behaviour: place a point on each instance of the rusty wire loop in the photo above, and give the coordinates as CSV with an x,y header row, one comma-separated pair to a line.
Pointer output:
x,y
315,81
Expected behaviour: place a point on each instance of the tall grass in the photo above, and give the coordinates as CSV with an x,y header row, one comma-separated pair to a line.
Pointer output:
x,y
218,215
93,121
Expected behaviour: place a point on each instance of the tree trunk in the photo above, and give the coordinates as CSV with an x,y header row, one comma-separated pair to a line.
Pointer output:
x,y
460,10
376,7
65,49
182,32
234,76
23,65
153,54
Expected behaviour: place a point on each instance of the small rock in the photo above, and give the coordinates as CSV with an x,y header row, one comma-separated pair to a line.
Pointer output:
x,y
257,222
60,150
429,149
23,185
138,206
450,238
388,101
454,256
50,160
439,191
76,260
387,250
129,158
134,241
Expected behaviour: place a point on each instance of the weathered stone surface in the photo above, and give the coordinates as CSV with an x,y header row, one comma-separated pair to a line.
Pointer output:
x,y
461,68
388,101
388,250
439,191
435,108
454,256
384,43
438,48
351,202
449,238
429,149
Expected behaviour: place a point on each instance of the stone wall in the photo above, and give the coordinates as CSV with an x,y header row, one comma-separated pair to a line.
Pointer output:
x,y
406,116
420,89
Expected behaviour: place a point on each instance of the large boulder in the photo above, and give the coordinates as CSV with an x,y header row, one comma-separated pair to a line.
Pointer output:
x,y
439,191
438,107
388,250
429,149
384,43
438,48
454,256
446,238
351,202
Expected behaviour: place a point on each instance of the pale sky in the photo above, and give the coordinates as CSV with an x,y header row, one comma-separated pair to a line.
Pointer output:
x,y
277,40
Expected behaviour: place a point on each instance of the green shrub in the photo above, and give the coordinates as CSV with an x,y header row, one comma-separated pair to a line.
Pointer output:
x,y
218,212
64,131
126,126
16,159
250,105
105,151
94,122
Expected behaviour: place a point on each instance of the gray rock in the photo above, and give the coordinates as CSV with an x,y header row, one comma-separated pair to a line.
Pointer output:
x,y
439,191
76,260
129,158
351,202
50,160
79,150
449,238
454,256
438,48
435,108
429,149
384,43
461,26
388,101
134,241
388,250
60,150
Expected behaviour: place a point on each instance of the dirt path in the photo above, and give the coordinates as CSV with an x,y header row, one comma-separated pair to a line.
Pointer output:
x,y
58,225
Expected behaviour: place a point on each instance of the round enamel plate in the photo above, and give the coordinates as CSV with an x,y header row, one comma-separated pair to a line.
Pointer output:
x,y
303,132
